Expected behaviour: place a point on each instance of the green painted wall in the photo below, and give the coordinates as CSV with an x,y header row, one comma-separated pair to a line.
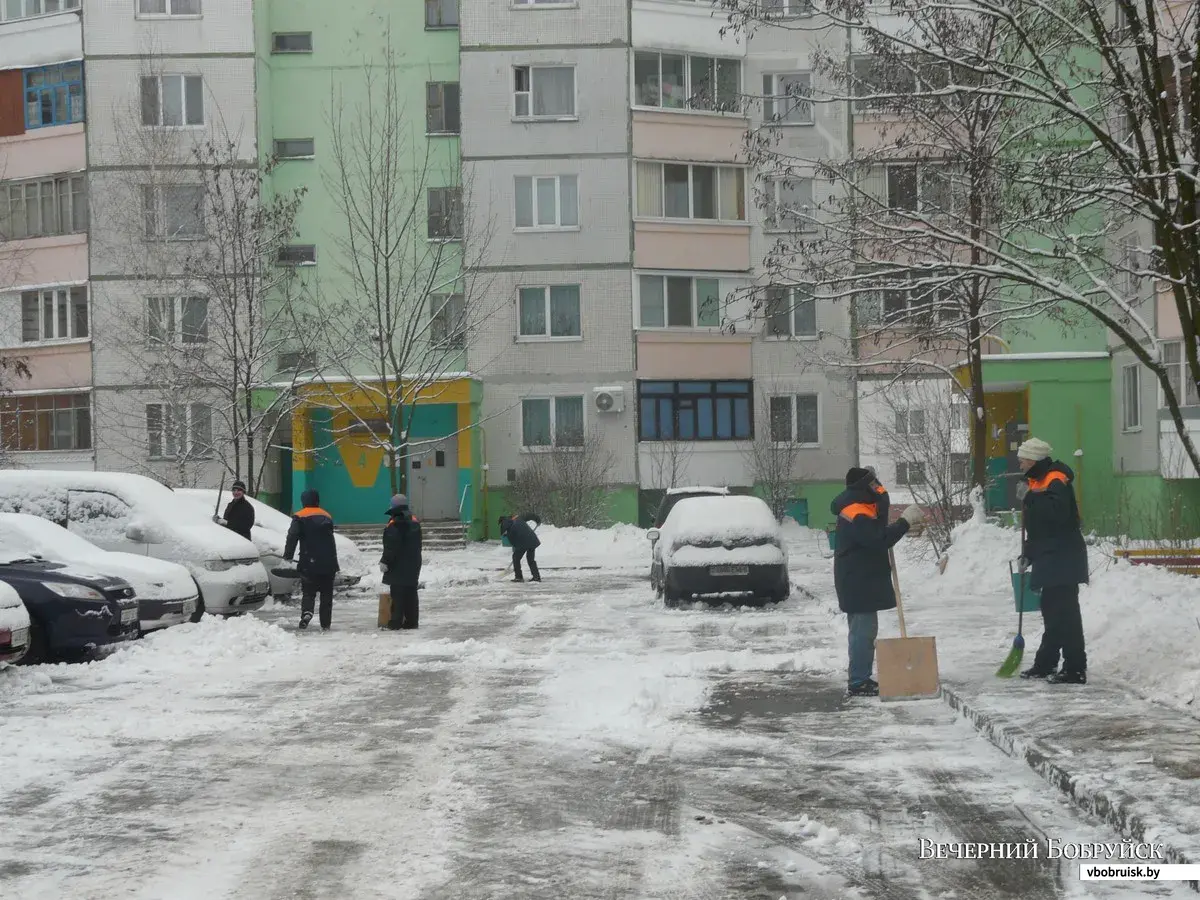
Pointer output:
x,y
1151,508
622,507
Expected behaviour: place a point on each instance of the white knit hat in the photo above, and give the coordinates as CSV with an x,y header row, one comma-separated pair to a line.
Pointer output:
x,y
1034,450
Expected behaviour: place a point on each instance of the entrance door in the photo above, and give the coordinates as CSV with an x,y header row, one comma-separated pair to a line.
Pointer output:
x,y
433,479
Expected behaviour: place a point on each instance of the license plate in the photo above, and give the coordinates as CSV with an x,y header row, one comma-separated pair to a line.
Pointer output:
x,y
189,607
729,570
129,614
20,637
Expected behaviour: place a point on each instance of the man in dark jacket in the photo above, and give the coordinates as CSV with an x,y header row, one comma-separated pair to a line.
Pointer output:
x,y
401,563
239,514
312,530
524,541
862,570
1054,547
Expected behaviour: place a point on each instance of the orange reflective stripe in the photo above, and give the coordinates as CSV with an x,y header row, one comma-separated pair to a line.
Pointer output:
x,y
313,511
880,489
415,519
1042,483
854,510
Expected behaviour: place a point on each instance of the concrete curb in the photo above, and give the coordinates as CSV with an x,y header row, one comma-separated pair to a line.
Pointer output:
x,y
1114,807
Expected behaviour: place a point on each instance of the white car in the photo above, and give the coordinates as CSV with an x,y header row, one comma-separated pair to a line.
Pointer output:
x,y
134,514
270,535
166,593
14,625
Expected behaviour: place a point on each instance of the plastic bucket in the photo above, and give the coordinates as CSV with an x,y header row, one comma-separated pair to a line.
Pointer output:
x,y
831,536
1032,598
504,541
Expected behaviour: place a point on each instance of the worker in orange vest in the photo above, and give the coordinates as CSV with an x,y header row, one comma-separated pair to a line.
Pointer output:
x,y
1052,545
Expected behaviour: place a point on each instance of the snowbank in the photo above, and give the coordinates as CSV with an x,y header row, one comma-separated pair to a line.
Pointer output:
x,y
1141,622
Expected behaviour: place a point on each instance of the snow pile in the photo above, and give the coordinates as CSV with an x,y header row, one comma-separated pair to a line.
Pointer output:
x,y
979,554
817,835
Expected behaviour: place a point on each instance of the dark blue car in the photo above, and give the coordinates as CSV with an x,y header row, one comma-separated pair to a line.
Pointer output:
x,y
71,613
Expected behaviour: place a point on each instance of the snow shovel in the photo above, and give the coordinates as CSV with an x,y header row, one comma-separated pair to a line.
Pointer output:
x,y
908,667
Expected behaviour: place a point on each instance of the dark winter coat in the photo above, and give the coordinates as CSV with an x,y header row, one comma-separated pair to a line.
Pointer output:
x,y
520,535
312,530
239,516
402,549
1053,537
862,572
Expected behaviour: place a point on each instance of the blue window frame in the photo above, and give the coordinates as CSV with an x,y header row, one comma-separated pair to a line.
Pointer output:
x,y
54,95
695,410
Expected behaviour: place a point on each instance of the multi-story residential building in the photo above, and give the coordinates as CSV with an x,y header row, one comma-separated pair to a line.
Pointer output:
x,y
45,302
166,78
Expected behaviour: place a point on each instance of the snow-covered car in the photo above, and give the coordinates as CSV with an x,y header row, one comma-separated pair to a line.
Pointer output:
x,y
166,593
674,495
14,625
719,545
270,535
134,514
70,611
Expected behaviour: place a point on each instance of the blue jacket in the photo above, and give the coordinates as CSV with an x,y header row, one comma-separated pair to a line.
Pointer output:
x,y
862,571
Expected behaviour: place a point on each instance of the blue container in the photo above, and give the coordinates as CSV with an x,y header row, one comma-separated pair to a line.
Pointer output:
x,y
831,536
504,541
1032,598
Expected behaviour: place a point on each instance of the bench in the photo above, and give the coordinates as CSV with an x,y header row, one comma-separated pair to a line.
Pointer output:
x,y
1181,560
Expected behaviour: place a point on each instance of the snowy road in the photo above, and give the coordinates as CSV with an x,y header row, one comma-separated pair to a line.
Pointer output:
x,y
565,740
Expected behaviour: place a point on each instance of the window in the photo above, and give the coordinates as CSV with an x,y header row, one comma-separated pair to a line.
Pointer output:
x,y
928,188
544,2
447,328
910,421
168,7
786,98
44,207
172,100
54,314
1129,265
179,430
173,212
46,422
292,42
960,468
670,191
796,419
24,9
441,13
550,312
298,255
1131,397
552,422
871,76
445,222
1178,375
902,187
914,300
54,95
695,410
297,361
910,473
791,311
295,148
678,81
547,201
177,320
679,301
790,205
441,107
544,92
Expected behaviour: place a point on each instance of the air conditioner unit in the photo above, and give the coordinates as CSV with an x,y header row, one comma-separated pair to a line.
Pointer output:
x,y
609,399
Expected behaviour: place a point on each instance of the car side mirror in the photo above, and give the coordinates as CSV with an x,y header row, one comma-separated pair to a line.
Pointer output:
x,y
134,533
653,535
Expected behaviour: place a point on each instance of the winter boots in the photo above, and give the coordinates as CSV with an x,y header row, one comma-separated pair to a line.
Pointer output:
x,y
1067,678
305,618
1035,672
868,688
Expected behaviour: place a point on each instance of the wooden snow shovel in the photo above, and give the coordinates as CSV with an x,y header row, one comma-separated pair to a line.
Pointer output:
x,y
908,668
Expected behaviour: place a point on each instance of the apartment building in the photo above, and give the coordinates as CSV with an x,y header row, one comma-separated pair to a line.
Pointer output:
x,y
165,77
546,164
45,300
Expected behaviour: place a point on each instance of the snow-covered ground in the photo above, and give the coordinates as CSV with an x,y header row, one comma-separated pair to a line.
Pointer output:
x,y
570,739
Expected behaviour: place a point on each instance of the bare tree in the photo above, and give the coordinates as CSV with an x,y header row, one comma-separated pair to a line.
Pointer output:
x,y
410,302
924,425
773,456
669,463
567,484
1100,152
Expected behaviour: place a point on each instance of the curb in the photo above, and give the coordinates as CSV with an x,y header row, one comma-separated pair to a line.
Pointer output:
x,y
1113,807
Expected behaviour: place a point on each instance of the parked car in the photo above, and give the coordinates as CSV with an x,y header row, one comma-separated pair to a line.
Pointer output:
x,y
719,545
134,514
14,625
71,612
166,593
674,495
270,535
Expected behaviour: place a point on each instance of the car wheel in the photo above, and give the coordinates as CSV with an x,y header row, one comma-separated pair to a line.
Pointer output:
x,y
670,597
37,646
199,613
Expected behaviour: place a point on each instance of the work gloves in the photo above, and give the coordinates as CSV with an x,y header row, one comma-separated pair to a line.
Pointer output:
x,y
913,515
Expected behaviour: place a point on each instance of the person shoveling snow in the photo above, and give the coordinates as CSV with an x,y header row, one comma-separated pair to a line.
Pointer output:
x,y
524,542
